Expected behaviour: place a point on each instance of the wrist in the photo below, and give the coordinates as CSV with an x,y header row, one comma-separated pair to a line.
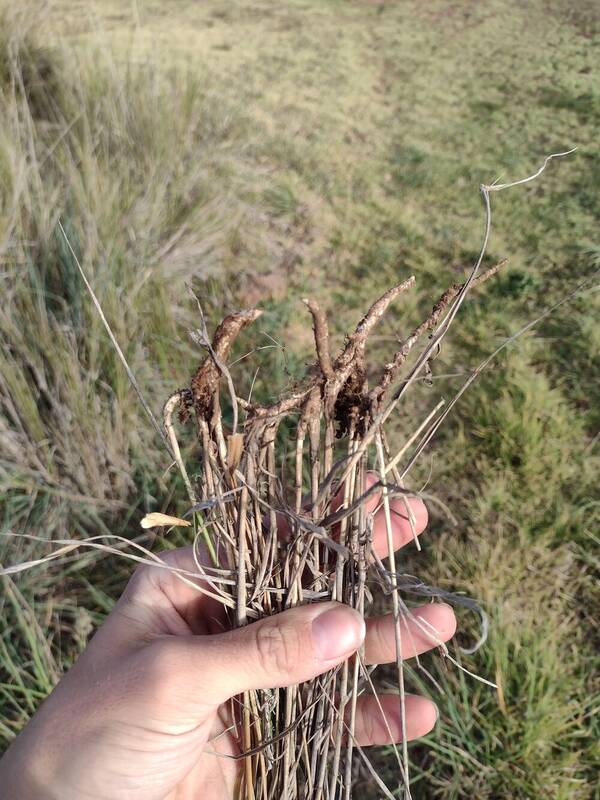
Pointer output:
x,y
31,767
21,775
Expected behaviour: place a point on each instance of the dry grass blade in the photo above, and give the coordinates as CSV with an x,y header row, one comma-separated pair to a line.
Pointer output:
x,y
115,343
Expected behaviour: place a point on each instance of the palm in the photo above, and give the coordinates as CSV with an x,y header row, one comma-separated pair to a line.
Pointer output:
x,y
213,777
207,751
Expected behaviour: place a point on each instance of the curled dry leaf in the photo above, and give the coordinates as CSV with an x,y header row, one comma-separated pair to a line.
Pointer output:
x,y
158,520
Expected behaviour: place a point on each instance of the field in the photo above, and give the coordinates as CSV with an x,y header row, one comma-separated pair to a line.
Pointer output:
x,y
262,151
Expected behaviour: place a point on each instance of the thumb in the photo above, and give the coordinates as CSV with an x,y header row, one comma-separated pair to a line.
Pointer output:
x,y
281,650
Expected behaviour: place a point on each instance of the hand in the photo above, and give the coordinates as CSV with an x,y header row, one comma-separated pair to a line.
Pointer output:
x,y
143,711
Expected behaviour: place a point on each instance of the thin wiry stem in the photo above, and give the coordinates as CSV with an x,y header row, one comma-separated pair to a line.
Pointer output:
x,y
172,403
496,187
396,611
112,337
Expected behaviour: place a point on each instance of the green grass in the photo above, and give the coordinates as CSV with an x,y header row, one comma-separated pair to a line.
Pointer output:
x,y
261,151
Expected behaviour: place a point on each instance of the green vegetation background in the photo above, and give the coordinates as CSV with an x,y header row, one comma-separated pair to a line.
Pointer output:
x,y
260,151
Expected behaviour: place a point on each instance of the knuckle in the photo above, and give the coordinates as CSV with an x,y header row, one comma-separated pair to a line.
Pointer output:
x,y
276,649
374,729
137,581
382,645
369,729
147,575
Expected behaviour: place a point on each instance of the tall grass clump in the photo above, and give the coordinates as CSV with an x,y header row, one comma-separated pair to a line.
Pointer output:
x,y
125,159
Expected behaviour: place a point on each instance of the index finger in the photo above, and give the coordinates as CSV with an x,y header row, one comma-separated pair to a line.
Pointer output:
x,y
408,515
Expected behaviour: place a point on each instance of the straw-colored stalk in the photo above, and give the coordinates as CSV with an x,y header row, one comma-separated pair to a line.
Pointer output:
x,y
305,541
306,537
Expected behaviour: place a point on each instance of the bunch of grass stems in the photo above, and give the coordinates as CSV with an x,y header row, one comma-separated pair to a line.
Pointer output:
x,y
298,742
266,542
276,542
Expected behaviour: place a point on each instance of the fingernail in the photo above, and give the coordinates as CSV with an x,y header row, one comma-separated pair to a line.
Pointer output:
x,y
337,632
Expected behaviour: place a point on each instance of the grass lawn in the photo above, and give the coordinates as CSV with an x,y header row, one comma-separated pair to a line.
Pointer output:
x,y
262,151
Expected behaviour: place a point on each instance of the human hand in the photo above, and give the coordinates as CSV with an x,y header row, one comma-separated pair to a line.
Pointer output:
x,y
145,714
